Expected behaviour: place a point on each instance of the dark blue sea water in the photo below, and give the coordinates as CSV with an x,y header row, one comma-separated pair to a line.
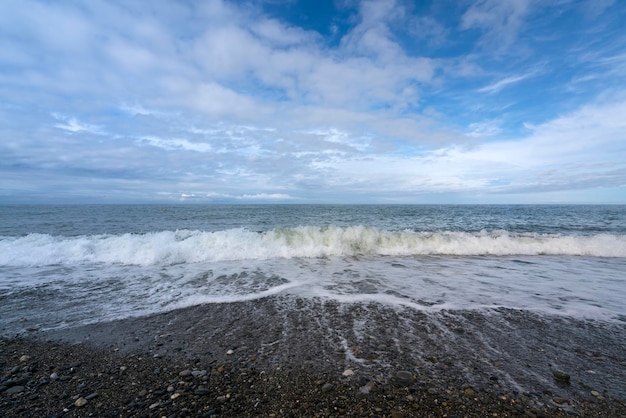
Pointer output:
x,y
65,265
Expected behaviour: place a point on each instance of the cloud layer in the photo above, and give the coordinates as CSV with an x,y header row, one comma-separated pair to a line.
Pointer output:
x,y
378,101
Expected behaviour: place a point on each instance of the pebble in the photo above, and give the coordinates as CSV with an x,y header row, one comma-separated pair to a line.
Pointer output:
x,y
185,373
404,376
347,373
597,394
80,402
327,387
54,376
24,359
201,391
15,389
561,377
91,396
229,352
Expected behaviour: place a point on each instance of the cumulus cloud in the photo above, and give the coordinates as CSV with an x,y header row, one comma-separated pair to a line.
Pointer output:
x,y
224,101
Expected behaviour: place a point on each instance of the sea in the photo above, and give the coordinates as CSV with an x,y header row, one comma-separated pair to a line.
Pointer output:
x,y
64,266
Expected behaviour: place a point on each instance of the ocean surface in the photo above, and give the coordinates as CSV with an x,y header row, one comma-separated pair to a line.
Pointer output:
x,y
62,266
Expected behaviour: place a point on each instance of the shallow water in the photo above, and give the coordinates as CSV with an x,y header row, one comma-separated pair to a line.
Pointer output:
x,y
63,266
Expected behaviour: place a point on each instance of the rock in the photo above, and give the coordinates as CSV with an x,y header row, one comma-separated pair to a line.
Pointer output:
x,y
24,359
404,376
327,387
561,377
15,389
597,394
54,376
174,396
347,373
80,402
468,392
91,396
201,391
230,352
185,373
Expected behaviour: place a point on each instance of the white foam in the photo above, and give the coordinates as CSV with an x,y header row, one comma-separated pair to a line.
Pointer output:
x,y
173,247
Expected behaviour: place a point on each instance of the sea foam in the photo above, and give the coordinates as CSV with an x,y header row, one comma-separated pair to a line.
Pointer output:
x,y
184,246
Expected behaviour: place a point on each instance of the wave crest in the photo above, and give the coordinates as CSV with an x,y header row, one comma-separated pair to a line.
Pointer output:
x,y
184,246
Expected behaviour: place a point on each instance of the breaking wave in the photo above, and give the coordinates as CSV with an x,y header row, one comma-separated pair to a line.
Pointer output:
x,y
185,246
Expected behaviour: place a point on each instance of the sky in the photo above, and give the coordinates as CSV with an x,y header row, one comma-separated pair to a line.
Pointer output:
x,y
316,101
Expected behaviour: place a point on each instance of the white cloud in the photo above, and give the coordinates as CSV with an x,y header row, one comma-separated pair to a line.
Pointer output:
x,y
265,196
175,144
501,21
500,84
254,105
71,124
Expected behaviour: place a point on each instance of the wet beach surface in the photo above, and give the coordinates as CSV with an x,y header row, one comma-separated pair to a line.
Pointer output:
x,y
290,356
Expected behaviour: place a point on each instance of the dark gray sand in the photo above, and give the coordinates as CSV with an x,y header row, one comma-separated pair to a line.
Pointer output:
x,y
287,356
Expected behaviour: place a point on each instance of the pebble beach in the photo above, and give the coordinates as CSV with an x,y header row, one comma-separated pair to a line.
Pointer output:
x,y
285,356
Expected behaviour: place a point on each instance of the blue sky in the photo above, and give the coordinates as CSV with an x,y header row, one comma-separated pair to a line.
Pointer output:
x,y
384,101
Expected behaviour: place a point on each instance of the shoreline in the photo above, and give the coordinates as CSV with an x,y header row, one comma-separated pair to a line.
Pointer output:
x,y
289,356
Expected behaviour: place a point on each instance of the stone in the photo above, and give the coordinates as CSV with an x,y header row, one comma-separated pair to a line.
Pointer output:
x,y
15,389
404,376
561,377
80,402
597,394
347,373
54,376
91,396
24,359
327,387
201,391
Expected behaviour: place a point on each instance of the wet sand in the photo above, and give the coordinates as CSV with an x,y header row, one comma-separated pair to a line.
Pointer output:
x,y
288,356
